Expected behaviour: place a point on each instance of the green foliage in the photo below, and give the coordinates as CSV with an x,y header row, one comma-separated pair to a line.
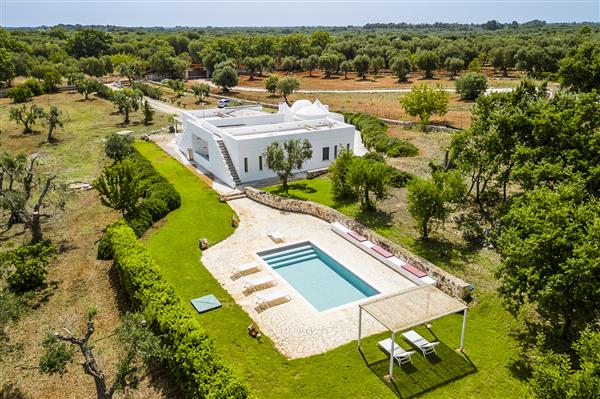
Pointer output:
x,y
400,148
57,354
339,174
368,177
201,91
424,101
120,187
454,65
126,101
27,116
89,43
288,64
361,65
92,66
20,94
87,86
471,85
34,85
580,70
283,157
474,66
148,90
176,85
271,83
427,61
401,66
54,118
118,146
12,306
399,178
225,76
148,112
554,375
7,67
329,63
287,85
346,66
52,79
377,63
550,246
26,267
190,352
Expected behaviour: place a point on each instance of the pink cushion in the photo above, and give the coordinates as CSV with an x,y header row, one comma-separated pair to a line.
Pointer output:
x,y
382,251
356,236
414,270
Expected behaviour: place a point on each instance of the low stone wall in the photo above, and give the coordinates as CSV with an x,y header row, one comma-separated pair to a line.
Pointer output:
x,y
428,128
445,281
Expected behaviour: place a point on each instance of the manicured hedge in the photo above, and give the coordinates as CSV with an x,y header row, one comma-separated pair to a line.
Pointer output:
x,y
192,358
374,135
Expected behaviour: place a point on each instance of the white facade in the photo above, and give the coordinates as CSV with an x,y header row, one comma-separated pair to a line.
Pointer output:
x,y
230,142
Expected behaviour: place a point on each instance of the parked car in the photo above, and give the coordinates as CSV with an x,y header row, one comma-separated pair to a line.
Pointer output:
x,y
223,102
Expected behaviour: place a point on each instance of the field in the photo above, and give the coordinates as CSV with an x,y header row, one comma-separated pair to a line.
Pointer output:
x,y
80,279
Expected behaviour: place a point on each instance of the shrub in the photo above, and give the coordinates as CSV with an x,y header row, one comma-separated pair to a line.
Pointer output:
x,y
401,148
148,90
155,207
34,85
375,156
20,94
191,355
139,220
105,251
471,85
26,266
399,178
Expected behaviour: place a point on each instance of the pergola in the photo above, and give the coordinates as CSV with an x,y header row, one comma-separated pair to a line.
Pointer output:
x,y
403,310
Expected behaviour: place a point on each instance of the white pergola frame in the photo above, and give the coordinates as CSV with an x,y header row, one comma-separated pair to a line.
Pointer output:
x,y
424,304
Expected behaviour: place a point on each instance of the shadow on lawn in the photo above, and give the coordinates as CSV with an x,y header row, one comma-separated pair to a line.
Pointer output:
x,y
424,374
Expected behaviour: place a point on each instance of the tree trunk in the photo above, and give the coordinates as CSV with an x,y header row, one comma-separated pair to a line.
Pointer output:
x,y
50,129
36,228
286,99
284,183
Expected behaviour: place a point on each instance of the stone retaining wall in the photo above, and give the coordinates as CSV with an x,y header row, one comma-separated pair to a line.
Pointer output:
x,y
445,281
428,128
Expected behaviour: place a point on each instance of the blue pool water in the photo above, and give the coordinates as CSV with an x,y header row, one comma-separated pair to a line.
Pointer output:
x,y
317,276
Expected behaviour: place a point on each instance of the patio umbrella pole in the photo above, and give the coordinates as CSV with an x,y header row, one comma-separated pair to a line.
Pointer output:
x,y
462,334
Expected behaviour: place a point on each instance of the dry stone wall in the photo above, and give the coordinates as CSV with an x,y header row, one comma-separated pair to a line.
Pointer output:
x,y
446,282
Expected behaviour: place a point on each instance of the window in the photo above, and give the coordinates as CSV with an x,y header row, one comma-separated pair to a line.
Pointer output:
x,y
325,153
246,165
334,151
260,162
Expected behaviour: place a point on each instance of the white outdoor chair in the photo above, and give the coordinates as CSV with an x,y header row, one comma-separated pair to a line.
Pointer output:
x,y
267,299
417,340
245,268
276,236
257,283
402,356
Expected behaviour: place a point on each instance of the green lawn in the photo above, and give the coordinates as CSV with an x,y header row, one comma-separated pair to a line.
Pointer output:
x,y
488,344
340,373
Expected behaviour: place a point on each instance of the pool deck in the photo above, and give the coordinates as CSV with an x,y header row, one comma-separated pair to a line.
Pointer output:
x,y
296,327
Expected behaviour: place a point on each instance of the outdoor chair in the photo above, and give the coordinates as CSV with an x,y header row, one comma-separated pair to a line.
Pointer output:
x,y
417,340
257,283
276,236
245,268
269,299
402,356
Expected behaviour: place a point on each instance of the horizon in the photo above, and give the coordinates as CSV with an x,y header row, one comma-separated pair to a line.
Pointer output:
x,y
307,13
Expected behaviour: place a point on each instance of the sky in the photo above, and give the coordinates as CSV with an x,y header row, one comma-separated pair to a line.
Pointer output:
x,y
287,12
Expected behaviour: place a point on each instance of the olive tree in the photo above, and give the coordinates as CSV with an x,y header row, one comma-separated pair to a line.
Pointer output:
x,y
427,61
225,76
370,181
471,85
26,116
288,85
271,83
361,65
424,101
201,91
401,67
284,157
126,101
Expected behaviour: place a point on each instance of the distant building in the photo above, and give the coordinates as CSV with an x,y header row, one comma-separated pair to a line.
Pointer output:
x,y
230,142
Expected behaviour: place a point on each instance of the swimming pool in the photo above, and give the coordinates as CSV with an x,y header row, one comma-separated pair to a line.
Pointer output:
x,y
323,281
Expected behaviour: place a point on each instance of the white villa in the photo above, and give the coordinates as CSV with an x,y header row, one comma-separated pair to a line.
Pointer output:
x,y
230,142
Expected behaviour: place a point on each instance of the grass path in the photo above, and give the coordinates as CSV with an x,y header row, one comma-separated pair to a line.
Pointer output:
x,y
340,373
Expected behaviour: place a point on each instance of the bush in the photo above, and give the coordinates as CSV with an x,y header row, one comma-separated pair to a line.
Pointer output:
x,y
191,355
399,178
148,90
139,220
471,85
401,148
20,94
26,266
155,207
105,251
34,85
374,156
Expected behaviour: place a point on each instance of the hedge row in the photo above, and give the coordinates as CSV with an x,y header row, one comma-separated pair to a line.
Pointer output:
x,y
148,90
160,199
192,358
374,135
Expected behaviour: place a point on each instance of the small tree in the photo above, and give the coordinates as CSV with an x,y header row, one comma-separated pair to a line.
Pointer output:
x,y
140,346
271,83
126,101
288,64
377,63
118,147
148,112
311,63
346,66
176,85
252,64
201,91
424,101
7,67
401,67
120,187
339,174
51,80
87,86
454,65
26,116
287,85
328,63
20,94
54,119
225,76
361,65
427,61
366,177
471,85
284,157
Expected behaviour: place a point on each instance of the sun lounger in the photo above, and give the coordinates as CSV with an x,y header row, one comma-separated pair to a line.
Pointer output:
x,y
356,236
256,283
414,270
275,236
267,299
402,356
382,252
245,268
417,340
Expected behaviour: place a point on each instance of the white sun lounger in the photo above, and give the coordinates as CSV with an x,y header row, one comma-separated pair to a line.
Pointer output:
x,y
267,299
417,340
402,356
276,236
245,268
256,283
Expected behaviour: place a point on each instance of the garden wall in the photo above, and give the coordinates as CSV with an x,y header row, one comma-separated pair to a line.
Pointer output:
x,y
445,281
